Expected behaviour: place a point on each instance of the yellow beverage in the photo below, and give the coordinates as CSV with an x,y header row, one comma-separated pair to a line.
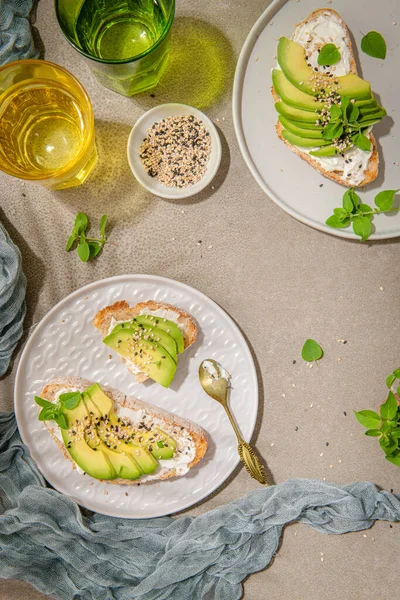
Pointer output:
x,y
46,125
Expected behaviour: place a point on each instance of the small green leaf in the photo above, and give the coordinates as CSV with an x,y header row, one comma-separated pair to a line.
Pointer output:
x,y
70,400
388,444
396,373
384,200
362,142
388,410
83,251
94,248
335,112
374,45
373,432
347,202
365,208
61,421
332,131
81,223
390,379
103,223
337,223
345,101
47,414
394,459
396,433
311,351
353,113
328,56
71,241
368,418
341,213
43,403
362,227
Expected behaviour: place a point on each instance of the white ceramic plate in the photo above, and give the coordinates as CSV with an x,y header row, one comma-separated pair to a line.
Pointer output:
x,y
287,179
138,133
66,343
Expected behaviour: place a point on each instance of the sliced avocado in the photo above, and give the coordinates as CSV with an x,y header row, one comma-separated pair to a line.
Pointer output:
x,y
169,326
324,151
296,114
160,444
291,95
150,357
94,462
303,142
297,129
292,60
152,333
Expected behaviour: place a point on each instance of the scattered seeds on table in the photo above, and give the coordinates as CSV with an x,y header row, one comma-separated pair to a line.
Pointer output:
x,y
176,151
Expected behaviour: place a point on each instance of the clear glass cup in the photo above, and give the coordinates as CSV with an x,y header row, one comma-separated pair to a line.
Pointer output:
x,y
46,125
125,42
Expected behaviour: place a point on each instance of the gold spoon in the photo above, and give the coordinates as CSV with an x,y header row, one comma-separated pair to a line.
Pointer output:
x,y
215,381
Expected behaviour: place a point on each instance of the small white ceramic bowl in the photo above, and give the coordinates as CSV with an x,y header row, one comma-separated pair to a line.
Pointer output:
x,y
138,133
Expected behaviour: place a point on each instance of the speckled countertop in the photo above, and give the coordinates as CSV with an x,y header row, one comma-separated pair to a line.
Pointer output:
x,y
280,281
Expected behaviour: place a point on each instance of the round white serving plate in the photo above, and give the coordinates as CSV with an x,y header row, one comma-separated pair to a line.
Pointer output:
x,y
66,343
293,184
138,133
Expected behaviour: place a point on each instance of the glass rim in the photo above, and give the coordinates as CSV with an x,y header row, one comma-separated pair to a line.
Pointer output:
x,y
124,61
90,137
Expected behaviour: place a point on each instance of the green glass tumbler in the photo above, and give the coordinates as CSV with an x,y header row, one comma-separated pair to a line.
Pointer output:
x,y
125,42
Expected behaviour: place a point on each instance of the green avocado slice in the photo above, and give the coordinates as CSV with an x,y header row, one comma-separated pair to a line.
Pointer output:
x,y
166,325
324,151
296,114
298,130
291,95
152,333
161,445
303,142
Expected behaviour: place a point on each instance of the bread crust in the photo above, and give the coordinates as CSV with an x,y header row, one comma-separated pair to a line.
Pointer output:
x,y
196,432
121,311
371,172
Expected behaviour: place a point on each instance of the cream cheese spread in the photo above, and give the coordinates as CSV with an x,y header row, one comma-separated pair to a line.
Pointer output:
x,y
312,36
185,446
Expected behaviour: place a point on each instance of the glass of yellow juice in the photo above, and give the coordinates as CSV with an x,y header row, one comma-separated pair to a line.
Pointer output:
x,y
46,125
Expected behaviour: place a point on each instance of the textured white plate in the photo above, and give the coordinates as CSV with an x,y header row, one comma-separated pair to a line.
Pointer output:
x,y
138,133
286,178
66,343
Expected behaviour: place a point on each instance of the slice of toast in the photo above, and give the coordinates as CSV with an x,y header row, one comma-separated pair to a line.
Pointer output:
x,y
371,171
121,311
176,426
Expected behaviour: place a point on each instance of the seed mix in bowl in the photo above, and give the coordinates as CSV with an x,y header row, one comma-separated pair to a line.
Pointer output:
x,y
176,151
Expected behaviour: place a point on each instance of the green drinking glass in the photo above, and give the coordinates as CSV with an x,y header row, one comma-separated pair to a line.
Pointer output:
x,y
125,42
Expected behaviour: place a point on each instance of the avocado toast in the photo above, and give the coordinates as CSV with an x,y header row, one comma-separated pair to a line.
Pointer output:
x,y
117,438
148,337
326,113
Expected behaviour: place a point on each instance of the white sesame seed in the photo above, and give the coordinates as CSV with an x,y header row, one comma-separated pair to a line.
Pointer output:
x,y
321,454
311,405
272,443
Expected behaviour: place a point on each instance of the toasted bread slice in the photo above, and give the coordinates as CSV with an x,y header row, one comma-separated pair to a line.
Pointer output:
x,y
371,170
121,311
176,426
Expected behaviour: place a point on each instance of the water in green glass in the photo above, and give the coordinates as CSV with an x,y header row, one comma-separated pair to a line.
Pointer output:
x,y
119,29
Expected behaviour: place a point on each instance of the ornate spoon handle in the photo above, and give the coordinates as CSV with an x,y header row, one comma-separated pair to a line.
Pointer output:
x,y
252,462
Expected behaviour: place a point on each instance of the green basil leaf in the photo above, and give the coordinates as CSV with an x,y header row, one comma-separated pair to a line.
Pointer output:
x,y
368,418
335,112
70,400
83,251
311,351
337,223
329,55
347,201
389,408
362,142
362,227
365,208
71,240
384,200
396,433
353,113
396,373
373,432
355,198
43,403
94,248
345,101
81,223
394,459
390,379
47,414
374,45
388,444
332,131
103,223
341,213
61,421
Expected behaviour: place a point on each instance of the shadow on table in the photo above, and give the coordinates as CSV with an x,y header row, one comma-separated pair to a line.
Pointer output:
x,y
200,68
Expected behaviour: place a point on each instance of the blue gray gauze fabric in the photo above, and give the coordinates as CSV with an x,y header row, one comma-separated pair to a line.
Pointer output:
x,y
12,298
16,40
44,539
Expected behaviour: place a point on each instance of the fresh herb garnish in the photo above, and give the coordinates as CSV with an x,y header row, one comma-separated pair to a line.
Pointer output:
x,y
328,56
360,215
342,127
160,444
87,247
386,424
311,351
52,411
374,45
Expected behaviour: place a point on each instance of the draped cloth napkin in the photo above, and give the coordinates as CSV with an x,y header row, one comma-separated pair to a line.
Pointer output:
x,y
12,298
16,40
44,539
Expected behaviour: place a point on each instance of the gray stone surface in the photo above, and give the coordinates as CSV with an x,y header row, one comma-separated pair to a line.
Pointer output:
x,y
280,281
